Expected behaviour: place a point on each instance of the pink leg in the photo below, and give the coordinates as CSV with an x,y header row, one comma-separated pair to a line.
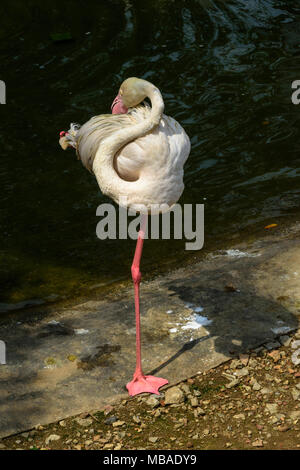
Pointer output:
x,y
141,383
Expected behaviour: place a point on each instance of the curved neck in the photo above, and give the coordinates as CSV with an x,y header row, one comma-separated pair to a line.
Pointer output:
x,y
108,179
124,136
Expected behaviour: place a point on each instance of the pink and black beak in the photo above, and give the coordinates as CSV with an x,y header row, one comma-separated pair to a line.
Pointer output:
x,y
118,106
63,140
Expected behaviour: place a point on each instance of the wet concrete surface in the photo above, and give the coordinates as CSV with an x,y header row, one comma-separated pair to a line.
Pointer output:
x,y
79,359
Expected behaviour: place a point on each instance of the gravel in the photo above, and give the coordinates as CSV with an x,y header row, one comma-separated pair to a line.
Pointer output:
x,y
252,401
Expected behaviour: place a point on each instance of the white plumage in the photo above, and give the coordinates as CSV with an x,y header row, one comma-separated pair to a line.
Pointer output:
x,y
138,156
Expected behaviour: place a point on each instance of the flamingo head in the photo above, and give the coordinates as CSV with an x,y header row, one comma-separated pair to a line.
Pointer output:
x,y
131,93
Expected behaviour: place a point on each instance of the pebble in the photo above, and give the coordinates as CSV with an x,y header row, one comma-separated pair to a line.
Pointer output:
x,y
241,372
52,437
240,416
152,401
257,443
275,355
296,357
137,419
118,423
153,439
185,388
295,393
111,420
233,383
272,408
235,363
285,340
174,395
256,386
265,391
84,421
295,415
194,402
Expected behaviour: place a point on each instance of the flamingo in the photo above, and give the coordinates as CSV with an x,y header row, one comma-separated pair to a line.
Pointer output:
x,y
137,155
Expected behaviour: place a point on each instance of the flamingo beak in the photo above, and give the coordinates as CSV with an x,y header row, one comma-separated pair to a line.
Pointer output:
x,y
118,106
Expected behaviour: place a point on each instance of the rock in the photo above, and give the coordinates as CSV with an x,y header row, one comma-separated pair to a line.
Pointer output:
x,y
88,442
194,401
240,416
185,388
257,443
108,446
116,424
200,411
173,395
273,420
233,383
265,391
52,437
152,401
295,344
296,357
136,419
62,423
295,393
256,386
39,427
235,363
83,421
295,415
206,432
272,408
275,355
111,420
241,372
153,439
285,340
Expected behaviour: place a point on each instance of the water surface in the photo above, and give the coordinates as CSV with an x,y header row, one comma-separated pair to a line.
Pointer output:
x,y
225,69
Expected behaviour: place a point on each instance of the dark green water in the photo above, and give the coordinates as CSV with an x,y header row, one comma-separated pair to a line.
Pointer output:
x,y
225,69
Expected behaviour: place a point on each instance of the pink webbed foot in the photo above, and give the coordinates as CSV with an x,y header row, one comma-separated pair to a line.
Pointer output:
x,y
145,383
